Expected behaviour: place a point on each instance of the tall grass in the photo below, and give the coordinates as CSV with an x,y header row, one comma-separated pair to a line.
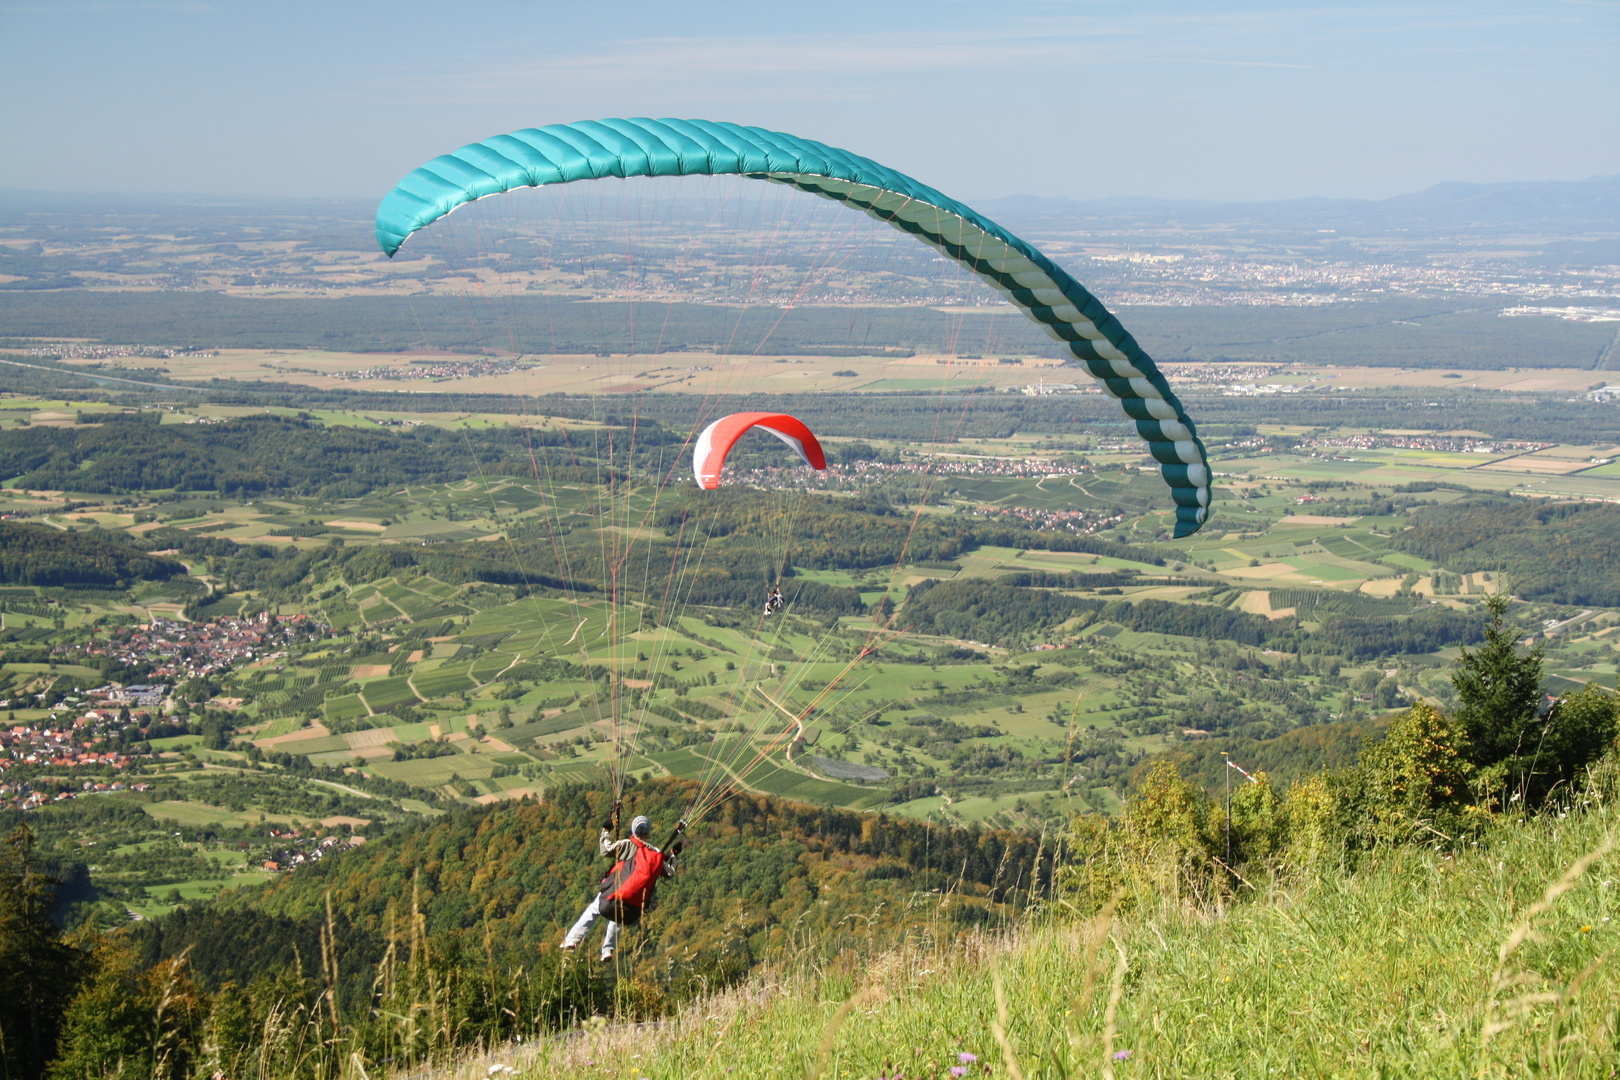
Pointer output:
x,y
1495,960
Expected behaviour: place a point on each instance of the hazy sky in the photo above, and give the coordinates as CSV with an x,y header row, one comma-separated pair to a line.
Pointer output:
x,y
980,99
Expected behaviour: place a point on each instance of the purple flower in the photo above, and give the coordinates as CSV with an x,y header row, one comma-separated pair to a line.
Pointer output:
x,y
958,1070
1121,1055
966,1058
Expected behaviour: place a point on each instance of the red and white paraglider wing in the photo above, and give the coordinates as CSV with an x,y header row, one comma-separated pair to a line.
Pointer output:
x,y
716,441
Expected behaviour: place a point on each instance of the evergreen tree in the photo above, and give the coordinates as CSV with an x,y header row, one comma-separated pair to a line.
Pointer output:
x,y
1499,691
38,969
131,1022
1521,749
1580,728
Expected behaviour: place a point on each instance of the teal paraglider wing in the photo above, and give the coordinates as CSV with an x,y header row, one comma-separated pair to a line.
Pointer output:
x,y
598,149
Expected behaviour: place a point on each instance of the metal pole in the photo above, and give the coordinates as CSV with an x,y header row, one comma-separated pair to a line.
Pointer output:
x,y
1228,771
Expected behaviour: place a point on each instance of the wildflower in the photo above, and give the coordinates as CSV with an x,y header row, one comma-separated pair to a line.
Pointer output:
x,y
1122,1055
966,1058
1586,929
958,1070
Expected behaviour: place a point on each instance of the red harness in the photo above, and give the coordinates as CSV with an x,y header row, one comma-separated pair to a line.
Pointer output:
x,y
630,883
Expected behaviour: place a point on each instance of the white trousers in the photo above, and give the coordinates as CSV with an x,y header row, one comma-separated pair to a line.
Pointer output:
x,y
587,919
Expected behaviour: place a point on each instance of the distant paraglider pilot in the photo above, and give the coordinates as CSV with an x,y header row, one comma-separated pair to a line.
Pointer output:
x,y
629,889
774,601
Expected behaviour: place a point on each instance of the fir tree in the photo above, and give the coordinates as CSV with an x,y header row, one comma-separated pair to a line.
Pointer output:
x,y
40,969
1499,691
1522,748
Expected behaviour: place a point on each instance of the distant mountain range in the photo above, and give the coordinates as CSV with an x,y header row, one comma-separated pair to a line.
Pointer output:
x,y
1565,208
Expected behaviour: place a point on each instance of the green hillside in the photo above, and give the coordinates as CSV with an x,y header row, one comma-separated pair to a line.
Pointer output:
x,y
1563,552
1487,962
759,880
39,555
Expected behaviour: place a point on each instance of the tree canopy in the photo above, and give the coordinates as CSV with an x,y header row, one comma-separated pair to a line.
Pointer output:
x,y
42,555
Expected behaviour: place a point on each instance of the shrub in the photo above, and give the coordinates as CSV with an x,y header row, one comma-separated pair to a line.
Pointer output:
x,y
1416,781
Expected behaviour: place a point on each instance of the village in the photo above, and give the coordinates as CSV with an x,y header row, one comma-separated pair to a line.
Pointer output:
x,y
104,740
455,368
171,649
315,848
851,474
104,731
89,744
1456,444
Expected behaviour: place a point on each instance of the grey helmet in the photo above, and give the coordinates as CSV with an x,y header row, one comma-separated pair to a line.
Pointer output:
x,y
641,826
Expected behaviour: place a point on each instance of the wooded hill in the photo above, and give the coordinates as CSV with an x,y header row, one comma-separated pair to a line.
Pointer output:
x,y
248,456
864,532
1563,552
999,613
760,878
41,555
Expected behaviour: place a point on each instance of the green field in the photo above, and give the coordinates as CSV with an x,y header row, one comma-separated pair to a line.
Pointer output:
x,y
386,693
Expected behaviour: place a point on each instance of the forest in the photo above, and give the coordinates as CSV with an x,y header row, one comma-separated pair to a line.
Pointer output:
x,y
757,872
41,555
1370,331
484,894
1006,614
245,457
1562,552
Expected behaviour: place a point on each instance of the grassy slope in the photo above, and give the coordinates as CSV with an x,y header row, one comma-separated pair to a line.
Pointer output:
x,y
1386,971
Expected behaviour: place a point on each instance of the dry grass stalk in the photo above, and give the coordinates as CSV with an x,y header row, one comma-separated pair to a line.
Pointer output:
x,y
1502,1015
998,1028
1116,990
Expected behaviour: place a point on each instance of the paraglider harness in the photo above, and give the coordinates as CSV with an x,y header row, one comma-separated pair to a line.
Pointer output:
x,y
630,888
774,601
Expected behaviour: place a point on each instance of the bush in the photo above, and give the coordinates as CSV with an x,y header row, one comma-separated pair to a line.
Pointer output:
x,y
1415,784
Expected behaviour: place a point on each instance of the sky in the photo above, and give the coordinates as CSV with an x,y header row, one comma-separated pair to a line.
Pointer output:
x,y
979,98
